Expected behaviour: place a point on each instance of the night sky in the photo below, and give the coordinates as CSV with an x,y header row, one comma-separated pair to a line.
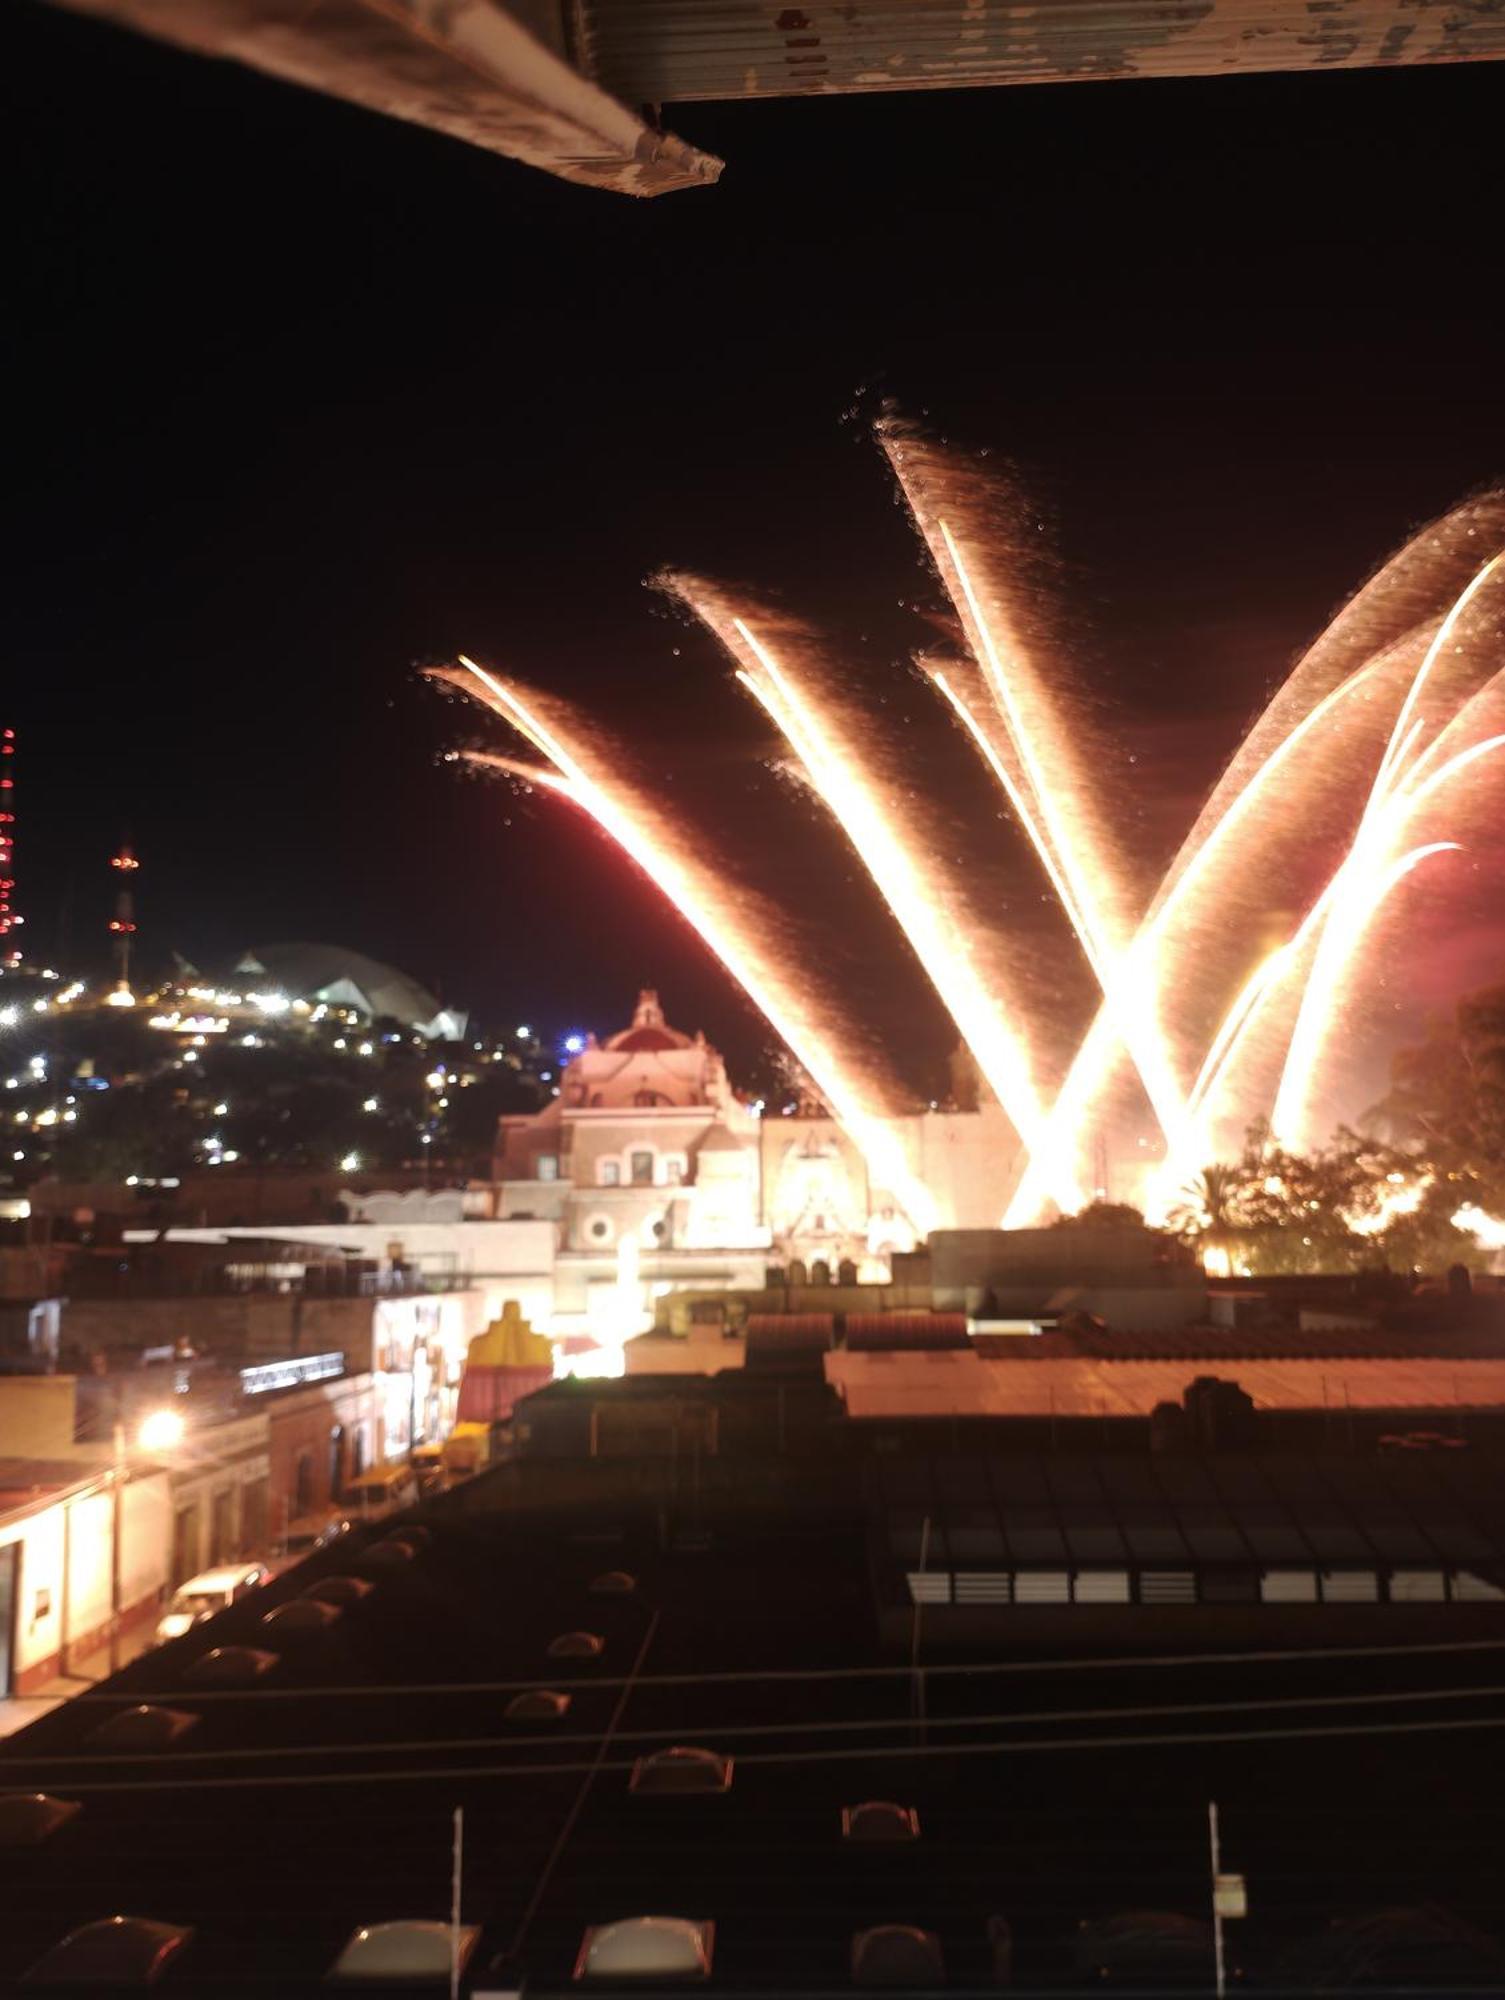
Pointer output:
x,y
301,400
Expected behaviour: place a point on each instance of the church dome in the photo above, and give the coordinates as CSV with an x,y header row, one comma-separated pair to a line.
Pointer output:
x,y
649,1034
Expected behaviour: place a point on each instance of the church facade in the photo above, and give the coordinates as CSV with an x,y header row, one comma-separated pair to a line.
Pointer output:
x,y
657,1177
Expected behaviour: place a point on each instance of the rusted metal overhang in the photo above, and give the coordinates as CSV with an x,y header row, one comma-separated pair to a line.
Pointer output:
x,y
550,82
469,68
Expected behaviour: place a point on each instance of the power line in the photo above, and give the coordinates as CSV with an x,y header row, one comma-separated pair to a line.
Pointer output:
x,y
546,1873
843,1725
1024,1746
948,1669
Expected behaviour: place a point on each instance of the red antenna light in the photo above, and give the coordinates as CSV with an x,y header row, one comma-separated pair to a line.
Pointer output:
x,y
123,925
10,919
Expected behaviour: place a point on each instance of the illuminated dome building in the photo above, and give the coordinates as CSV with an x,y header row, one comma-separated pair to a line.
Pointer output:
x,y
658,1178
331,976
645,1140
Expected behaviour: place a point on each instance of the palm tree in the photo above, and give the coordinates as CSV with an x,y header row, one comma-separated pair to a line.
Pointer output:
x,y
1204,1213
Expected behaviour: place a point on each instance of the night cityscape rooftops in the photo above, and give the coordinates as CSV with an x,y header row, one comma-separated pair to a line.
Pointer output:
x,y
933,1627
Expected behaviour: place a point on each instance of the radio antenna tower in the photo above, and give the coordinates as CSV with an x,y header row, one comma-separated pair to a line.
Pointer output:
x,y
123,926
10,922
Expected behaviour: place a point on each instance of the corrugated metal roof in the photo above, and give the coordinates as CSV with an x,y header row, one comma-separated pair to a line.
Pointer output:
x,y
894,1330
661,51
1084,1387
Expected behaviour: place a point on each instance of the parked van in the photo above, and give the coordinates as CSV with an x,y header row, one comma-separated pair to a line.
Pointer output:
x,y
384,1489
203,1595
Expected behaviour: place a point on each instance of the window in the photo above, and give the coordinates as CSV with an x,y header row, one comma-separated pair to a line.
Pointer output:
x,y
609,1173
1042,1586
1349,1586
600,1230
1102,1586
357,1451
1417,1586
642,1169
336,1459
674,1172
222,1527
303,1483
1289,1586
546,1167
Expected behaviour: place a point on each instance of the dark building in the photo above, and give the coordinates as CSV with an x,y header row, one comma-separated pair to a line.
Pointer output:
x,y
850,1703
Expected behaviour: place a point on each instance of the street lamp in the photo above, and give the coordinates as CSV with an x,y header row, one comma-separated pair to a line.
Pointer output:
x,y
159,1431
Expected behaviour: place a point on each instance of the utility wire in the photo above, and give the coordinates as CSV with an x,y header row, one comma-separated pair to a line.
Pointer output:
x,y
1023,1746
947,1669
842,1725
556,1852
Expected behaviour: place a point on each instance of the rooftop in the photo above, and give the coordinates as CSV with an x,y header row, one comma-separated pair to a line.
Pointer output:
x,y
1053,1778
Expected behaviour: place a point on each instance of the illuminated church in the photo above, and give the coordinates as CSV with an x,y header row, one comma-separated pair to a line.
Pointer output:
x,y
657,1177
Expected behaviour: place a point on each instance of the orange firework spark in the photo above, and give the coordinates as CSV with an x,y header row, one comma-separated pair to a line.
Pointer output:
x,y
1396,706
908,879
722,921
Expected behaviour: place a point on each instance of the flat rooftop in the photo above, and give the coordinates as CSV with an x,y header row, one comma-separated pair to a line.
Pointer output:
x,y
1055,1779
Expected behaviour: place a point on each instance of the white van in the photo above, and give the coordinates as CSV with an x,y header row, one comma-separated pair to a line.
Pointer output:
x,y
385,1489
210,1591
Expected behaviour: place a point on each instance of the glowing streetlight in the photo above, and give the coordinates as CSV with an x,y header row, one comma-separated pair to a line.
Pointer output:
x,y
161,1431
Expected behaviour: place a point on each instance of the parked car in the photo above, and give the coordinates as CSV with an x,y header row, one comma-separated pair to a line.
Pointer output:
x,y
203,1595
313,1531
384,1489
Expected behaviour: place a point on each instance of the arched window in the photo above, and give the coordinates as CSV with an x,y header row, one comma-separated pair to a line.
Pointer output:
x,y
642,1169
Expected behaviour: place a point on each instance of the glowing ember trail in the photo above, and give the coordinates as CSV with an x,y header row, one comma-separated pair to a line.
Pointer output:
x,y
906,880
698,898
1353,897
1219,998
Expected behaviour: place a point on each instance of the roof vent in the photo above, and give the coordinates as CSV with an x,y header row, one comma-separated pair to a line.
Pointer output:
x,y
577,1646
647,1948
408,1950
897,1955
145,1727
339,1590
682,1770
115,1951
388,1553
29,1818
537,1705
302,1616
230,1666
613,1583
879,1820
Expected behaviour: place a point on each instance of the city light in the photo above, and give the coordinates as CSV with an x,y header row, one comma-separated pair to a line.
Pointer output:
x,y
161,1431
573,1044
351,1163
